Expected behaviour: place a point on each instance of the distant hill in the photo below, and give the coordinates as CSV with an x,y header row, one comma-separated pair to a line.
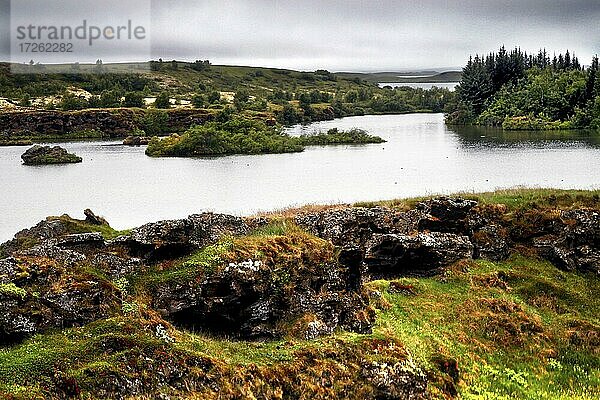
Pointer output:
x,y
177,77
405,77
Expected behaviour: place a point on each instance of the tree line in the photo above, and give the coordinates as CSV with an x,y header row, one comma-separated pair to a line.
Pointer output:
x,y
517,90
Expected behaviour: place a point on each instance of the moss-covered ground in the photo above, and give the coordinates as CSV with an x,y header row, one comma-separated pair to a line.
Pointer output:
x,y
517,329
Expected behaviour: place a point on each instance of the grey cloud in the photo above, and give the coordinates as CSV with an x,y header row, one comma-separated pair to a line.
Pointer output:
x,y
366,35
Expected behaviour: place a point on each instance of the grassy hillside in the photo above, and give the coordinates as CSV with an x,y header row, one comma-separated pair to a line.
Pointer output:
x,y
288,96
178,78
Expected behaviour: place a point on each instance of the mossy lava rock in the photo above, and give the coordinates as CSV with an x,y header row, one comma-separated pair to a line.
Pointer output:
x,y
41,155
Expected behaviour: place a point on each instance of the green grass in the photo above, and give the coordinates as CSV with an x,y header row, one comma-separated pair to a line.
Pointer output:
x,y
511,327
72,226
512,339
10,289
512,198
202,263
81,226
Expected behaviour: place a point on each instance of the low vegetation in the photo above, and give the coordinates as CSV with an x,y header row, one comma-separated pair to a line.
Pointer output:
x,y
289,96
335,136
519,328
514,329
240,135
513,199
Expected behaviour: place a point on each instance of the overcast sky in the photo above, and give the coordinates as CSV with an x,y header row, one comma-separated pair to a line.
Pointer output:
x,y
362,35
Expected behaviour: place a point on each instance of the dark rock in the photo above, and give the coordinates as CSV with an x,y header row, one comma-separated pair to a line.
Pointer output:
x,y
93,240
400,380
136,140
491,242
108,123
172,238
355,226
245,300
9,269
93,219
40,155
49,249
159,240
393,255
576,246
115,266
42,294
47,229
352,259
446,214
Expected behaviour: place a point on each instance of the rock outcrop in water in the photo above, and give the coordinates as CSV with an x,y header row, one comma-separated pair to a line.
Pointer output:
x,y
41,155
136,140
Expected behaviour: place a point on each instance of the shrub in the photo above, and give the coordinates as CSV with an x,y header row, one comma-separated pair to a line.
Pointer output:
x,y
235,136
162,101
240,135
155,122
133,99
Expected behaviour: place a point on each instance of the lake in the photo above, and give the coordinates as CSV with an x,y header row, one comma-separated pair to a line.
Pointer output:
x,y
423,85
422,156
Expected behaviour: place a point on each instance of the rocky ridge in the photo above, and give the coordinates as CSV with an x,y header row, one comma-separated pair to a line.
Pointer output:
x,y
263,279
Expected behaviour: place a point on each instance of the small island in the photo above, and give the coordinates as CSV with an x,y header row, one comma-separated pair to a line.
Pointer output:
x,y
43,155
241,135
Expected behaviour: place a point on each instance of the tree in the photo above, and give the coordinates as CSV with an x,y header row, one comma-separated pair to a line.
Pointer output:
x,y
200,65
99,66
592,78
289,115
241,99
133,99
25,100
476,85
162,101
156,65
72,102
214,97
155,122
198,101
110,99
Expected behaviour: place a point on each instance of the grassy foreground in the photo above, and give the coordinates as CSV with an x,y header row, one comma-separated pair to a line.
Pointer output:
x,y
518,329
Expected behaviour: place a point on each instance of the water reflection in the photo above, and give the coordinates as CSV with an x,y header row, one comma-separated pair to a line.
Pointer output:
x,y
475,136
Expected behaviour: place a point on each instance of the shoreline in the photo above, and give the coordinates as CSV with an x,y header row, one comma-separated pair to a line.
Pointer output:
x,y
125,119
510,197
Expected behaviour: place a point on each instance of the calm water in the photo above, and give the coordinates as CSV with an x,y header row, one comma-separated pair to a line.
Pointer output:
x,y
426,86
421,157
